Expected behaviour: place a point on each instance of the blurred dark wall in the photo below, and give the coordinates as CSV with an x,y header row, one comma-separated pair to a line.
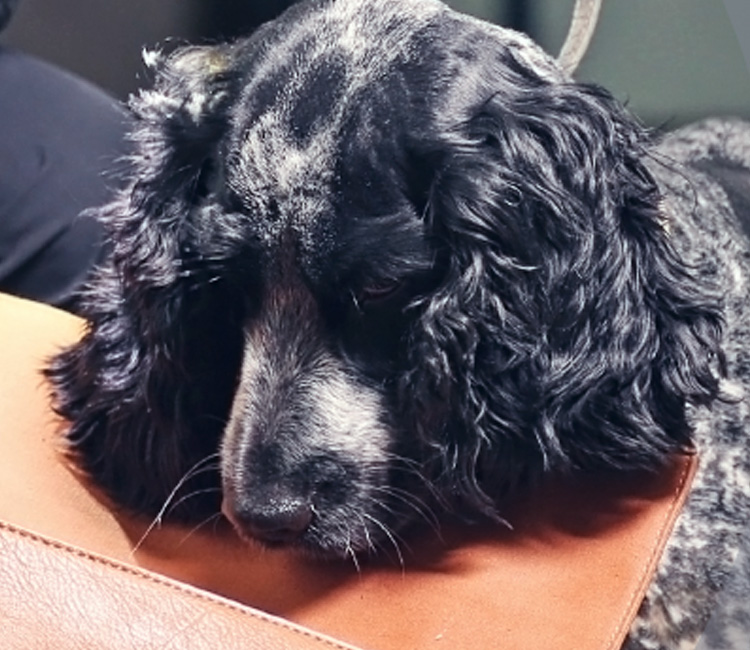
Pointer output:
x,y
673,60
102,40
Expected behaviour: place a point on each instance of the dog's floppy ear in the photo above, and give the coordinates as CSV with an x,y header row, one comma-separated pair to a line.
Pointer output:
x,y
147,387
180,119
566,332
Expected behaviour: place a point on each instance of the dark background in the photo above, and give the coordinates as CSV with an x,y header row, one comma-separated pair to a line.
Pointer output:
x,y
673,60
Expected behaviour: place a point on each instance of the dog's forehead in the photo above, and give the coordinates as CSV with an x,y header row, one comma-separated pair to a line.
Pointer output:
x,y
331,83
301,91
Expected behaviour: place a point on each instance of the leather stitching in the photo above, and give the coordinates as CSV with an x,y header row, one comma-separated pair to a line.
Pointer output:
x,y
190,592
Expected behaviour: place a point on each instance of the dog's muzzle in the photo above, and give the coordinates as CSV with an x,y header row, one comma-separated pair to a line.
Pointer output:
x,y
306,450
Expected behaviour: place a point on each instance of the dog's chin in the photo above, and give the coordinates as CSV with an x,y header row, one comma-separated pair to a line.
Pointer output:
x,y
321,539
309,546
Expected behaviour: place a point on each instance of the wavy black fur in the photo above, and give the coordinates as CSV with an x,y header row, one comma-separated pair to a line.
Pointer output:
x,y
473,251
567,333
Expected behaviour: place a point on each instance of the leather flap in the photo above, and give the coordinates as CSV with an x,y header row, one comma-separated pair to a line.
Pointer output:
x,y
570,574
55,596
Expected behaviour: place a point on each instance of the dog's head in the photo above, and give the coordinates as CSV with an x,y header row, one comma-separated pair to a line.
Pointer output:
x,y
381,256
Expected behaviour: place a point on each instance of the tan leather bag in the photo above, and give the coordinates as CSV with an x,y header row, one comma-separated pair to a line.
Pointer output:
x,y
77,573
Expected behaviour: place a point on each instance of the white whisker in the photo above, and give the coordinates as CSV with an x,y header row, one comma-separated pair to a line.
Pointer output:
x,y
214,517
412,502
157,520
190,495
390,536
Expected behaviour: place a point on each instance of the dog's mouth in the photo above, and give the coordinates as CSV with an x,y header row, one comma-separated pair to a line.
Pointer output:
x,y
359,526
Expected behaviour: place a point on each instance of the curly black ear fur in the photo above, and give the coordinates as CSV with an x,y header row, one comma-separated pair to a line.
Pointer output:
x,y
566,332
143,388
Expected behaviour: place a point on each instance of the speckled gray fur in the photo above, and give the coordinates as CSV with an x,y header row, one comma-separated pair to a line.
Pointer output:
x,y
701,556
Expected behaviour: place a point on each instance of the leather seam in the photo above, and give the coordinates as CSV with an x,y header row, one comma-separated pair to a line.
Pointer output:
x,y
192,593
658,547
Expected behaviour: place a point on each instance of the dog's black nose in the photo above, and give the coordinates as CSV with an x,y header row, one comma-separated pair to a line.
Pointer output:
x,y
276,522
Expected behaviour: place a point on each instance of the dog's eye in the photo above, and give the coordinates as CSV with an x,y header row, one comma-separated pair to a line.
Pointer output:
x,y
234,203
377,292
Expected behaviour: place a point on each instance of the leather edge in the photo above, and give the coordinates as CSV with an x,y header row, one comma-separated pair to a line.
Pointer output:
x,y
183,590
679,497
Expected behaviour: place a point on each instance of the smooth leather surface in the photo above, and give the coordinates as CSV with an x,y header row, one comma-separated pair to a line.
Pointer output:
x,y
570,574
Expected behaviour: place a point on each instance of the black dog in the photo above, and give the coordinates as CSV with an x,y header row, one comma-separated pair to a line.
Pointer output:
x,y
381,258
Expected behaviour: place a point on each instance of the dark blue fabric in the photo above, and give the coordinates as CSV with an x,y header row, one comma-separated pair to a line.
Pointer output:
x,y
7,7
59,139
